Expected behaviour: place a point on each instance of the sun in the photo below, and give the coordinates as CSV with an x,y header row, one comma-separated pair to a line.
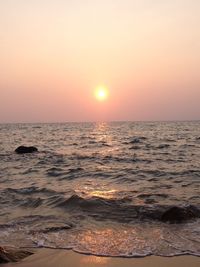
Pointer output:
x,y
101,93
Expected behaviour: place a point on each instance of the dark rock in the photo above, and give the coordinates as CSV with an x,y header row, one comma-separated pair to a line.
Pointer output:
x,y
180,214
136,140
161,146
26,149
12,255
135,147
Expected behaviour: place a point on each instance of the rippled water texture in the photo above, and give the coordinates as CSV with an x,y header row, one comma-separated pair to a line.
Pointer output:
x,y
101,188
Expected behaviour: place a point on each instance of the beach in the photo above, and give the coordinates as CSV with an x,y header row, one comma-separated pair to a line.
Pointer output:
x,y
63,258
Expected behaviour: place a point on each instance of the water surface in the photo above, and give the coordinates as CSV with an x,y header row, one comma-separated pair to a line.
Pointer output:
x,y
100,188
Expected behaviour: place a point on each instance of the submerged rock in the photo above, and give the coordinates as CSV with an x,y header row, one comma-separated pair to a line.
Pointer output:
x,y
136,140
26,149
13,255
180,214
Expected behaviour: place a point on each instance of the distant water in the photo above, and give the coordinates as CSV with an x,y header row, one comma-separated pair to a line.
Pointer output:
x,y
100,188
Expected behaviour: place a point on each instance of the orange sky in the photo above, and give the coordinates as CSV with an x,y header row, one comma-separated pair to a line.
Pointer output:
x,y
54,53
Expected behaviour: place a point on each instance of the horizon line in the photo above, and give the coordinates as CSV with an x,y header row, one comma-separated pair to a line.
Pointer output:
x,y
108,121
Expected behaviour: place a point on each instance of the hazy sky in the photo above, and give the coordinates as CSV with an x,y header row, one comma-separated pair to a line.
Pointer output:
x,y
54,53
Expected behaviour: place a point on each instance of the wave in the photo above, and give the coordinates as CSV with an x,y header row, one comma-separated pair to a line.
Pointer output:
x,y
116,240
162,146
29,190
116,209
27,197
135,140
122,210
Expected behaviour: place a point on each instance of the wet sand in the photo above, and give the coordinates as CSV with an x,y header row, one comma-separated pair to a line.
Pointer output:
x,y
63,258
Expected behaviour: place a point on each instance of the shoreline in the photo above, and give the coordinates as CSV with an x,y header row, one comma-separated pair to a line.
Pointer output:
x,y
62,258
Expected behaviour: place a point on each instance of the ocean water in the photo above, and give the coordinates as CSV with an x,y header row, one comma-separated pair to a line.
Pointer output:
x,y
101,188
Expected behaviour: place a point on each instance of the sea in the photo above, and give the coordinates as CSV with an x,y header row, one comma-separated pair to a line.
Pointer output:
x,y
101,188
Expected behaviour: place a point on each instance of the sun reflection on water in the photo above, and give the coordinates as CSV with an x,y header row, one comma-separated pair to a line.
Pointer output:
x,y
95,260
104,194
117,241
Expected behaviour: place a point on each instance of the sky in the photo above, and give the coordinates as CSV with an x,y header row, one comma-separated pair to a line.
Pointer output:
x,y
55,53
